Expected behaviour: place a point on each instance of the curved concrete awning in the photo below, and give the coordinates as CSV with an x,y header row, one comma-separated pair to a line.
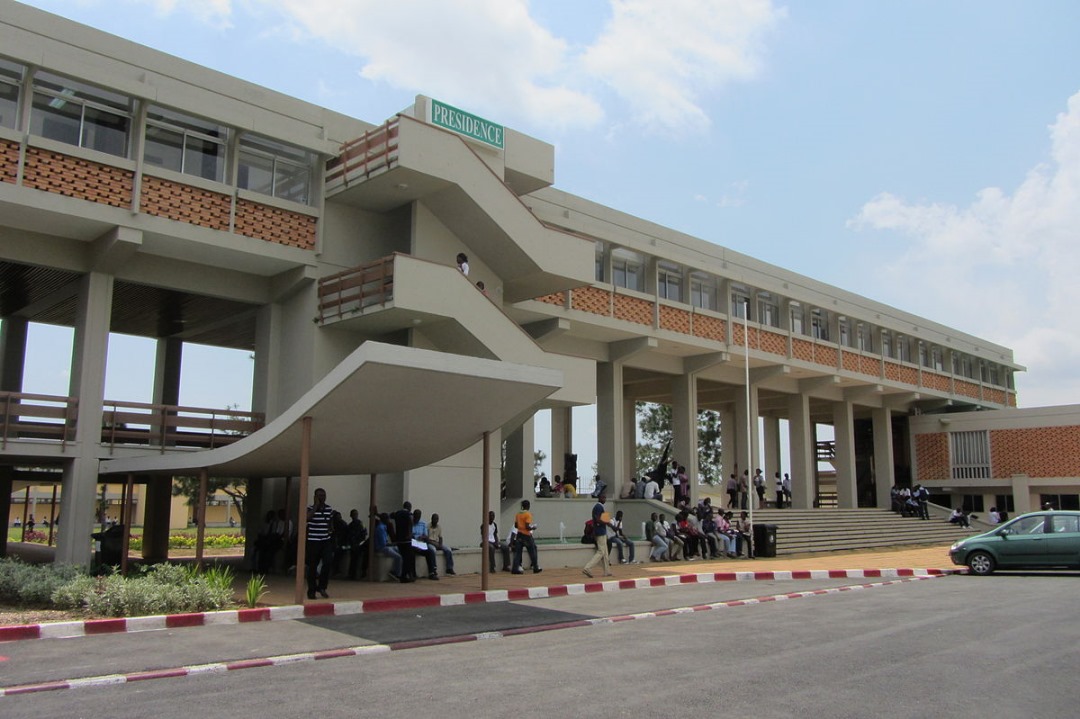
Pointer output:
x,y
385,408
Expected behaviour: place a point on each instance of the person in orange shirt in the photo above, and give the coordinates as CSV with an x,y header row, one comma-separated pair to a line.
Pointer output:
x,y
523,522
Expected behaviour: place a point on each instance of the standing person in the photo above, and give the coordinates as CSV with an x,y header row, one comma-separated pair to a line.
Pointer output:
x,y
493,543
759,487
676,484
435,540
779,492
923,497
463,263
733,491
787,489
358,536
320,545
402,520
523,523
601,523
620,540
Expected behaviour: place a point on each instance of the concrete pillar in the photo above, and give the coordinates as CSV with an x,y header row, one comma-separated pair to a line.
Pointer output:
x,y
156,518
610,421
884,476
519,461
629,446
801,452
13,332
266,372
730,435
562,428
684,425
746,461
88,357
844,431
167,365
771,445
5,505
1022,496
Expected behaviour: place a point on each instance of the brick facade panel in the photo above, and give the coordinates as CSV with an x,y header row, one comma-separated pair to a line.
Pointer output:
x,y
870,366
908,375
275,225
9,161
81,179
591,299
556,298
935,381
967,389
709,327
932,456
802,350
674,319
829,356
184,203
850,362
773,343
1036,452
632,309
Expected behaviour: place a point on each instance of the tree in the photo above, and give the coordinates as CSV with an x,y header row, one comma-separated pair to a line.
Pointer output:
x,y
234,487
654,425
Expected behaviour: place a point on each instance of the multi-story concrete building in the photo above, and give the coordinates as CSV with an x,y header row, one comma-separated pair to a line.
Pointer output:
x,y
146,195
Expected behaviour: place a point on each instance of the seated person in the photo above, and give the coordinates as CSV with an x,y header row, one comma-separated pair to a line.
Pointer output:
x,y
618,538
385,547
421,544
435,540
545,487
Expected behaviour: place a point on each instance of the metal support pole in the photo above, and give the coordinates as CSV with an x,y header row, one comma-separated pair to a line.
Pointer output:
x,y
200,534
486,501
301,513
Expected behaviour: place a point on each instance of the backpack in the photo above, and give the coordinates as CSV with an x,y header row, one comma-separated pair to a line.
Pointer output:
x,y
589,537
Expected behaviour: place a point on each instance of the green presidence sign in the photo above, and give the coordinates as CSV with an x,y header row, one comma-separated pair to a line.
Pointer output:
x,y
463,123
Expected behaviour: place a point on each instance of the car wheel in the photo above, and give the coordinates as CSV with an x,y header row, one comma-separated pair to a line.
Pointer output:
x,y
980,563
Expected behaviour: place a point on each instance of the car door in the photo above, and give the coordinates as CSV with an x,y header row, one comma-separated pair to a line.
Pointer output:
x,y
1063,540
1023,542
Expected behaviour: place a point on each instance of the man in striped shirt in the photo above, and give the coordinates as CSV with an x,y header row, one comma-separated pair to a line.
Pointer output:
x,y
320,545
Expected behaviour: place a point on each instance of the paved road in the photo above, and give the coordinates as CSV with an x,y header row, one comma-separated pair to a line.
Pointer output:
x,y
946,647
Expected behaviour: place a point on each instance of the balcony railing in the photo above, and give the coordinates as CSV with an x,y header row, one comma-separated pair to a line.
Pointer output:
x,y
38,417
372,151
352,290
165,426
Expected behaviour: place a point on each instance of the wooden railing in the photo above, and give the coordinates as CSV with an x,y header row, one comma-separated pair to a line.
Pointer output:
x,y
38,417
163,426
352,290
374,150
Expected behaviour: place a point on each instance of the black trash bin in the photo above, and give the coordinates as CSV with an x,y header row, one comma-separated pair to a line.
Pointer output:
x,y
111,546
764,540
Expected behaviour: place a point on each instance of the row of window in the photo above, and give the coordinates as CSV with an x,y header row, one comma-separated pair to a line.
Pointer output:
x,y
628,268
79,114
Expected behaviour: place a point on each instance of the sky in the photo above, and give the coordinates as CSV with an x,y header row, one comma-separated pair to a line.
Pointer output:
x,y
923,153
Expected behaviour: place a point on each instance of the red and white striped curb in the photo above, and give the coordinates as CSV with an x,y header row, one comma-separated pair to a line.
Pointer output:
x,y
222,667
90,627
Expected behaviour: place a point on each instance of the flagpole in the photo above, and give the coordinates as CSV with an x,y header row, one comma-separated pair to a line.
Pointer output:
x,y
750,459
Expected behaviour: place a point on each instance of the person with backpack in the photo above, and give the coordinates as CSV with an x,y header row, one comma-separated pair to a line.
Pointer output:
x,y
600,523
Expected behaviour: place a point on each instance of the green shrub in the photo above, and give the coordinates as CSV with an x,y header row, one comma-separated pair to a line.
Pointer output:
x,y
159,589
23,584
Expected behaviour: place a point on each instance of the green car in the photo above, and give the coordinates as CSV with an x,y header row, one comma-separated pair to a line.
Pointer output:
x,y
1037,540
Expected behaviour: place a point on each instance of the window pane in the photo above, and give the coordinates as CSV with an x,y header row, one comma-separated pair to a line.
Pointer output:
x,y
205,159
291,182
164,148
56,119
9,104
81,91
105,131
256,173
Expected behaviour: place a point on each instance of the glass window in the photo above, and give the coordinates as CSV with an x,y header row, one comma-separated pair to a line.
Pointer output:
x,y
796,318
819,324
864,338
903,352
886,344
845,332
1028,525
702,290
627,269
79,114
768,309
275,169
740,302
1065,523
936,359
599,261
185,144
10,80
669,278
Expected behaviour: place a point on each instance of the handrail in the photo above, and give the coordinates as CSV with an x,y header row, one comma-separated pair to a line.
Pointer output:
x,y
37,416
163,426
371,151
354,289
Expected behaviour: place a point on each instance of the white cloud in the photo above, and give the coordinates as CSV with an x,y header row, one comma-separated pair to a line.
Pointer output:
x,y
662,58
1005,266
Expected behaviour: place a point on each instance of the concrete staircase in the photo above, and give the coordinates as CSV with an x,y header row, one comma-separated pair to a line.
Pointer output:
x,y
824,530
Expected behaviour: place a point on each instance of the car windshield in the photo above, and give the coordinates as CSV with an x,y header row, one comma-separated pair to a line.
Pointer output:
x,y
1027,525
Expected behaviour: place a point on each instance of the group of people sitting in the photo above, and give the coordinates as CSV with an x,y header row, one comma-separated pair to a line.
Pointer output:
x,y
699,533
911,501
403,535
546,488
